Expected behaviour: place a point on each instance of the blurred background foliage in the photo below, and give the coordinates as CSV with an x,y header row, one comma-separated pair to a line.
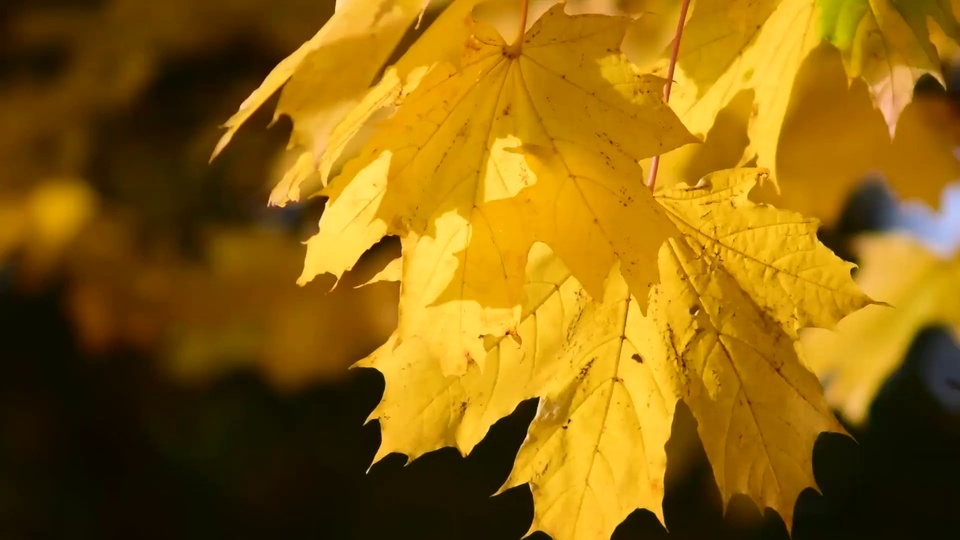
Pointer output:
x,y
111,109
164,377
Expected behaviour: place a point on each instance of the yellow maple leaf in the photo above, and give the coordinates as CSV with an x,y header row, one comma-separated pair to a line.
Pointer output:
x,y
441,42
742,47
805,285
836,121
423,409
920,288
392,271
563,97
719,334
887,44
742,285
751,50
343,135
458,411
352,45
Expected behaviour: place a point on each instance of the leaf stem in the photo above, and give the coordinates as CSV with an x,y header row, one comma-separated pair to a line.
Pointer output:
x,y
517,44
674,53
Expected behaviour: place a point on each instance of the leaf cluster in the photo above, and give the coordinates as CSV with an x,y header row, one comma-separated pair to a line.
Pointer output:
x,y
537,264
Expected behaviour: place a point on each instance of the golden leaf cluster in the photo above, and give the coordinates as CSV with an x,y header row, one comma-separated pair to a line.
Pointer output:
x,y
505,148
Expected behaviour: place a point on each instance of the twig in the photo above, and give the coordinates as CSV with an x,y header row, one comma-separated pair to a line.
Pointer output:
x,y
655,163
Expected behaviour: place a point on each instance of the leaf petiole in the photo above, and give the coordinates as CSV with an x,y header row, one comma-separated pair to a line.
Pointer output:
x,y
514,49
674,53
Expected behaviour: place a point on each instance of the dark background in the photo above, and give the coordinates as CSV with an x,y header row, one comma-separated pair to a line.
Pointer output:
x,y
106,446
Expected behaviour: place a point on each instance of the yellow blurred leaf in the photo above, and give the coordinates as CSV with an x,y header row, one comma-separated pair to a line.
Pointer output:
x,y
831,140
42,222
236,309
742,49
867,347
886,43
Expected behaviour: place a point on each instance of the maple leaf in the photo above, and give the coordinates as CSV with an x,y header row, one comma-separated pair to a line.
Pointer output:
x,y
887,44
392,271
741,46
441,42
353,45
424,409
729,317
745,48
463,138
806,285
869,345
834,120
719,334
341,135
